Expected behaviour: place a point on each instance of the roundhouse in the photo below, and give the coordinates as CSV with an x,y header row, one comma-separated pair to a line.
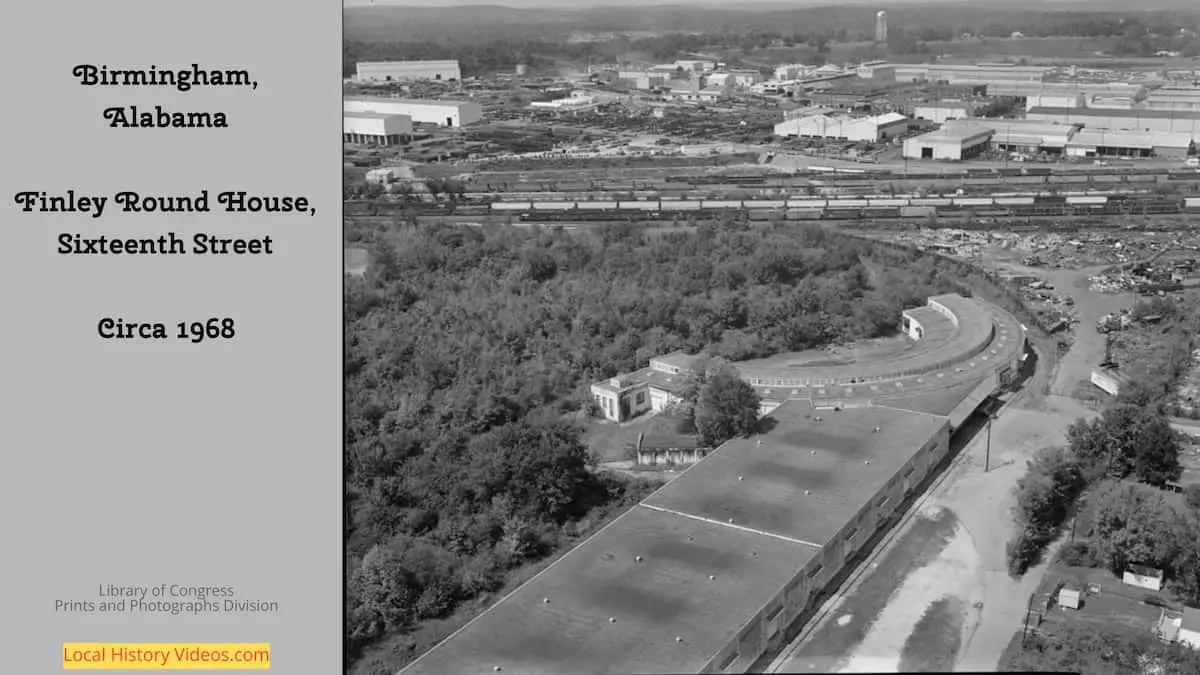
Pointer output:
x,y
709,571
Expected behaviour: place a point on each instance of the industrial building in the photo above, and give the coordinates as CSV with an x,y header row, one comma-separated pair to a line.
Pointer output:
x,y
708,572
401,71
439,113
1114,143
1026,90
844,127
984,73
953,142
375,128
1056,100
578,101
945,110
1137,119
734,78
694,94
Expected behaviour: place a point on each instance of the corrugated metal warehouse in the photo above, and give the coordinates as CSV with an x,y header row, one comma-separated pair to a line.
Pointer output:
x,y
1028,135
440,113
845,127
709,571
953,142
375,128
1163,121
400,71
1101,143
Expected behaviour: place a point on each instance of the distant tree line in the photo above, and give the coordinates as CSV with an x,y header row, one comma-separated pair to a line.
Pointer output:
x,y
548,42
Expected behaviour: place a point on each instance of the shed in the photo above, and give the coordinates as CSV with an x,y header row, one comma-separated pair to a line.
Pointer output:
x,y
1143,577
1069,598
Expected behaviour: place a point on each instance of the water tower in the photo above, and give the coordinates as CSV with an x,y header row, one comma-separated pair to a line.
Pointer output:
x,y
881,26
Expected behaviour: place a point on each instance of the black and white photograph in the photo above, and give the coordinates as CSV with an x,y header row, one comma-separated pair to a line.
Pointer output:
x,y
771,337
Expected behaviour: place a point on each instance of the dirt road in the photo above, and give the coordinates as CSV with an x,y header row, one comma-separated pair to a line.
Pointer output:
x,y
970,571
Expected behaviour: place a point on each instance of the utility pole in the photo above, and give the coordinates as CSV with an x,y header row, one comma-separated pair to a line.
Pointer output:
x,y
987,453
1025,629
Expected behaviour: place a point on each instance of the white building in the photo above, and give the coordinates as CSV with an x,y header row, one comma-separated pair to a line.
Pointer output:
x,y
653,388
576,102
845,127
944,111
440,113
1114,143
953,142
793,71
734,78
400,71
1055,100
696,95
1143,577
375,128
641,79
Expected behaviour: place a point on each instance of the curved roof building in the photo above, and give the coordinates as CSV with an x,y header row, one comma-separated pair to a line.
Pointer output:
x,y
708,572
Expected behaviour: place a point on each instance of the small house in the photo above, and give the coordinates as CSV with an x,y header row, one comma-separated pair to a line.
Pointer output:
x,y
1070,598
1143,577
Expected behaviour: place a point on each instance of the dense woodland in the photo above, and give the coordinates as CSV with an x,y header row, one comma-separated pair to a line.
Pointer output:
x,y
469,352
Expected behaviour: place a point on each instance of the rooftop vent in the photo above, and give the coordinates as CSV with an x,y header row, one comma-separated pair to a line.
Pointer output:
x,y
638,558
867,461
741,478
806,492
817,418
678,639
876,429
731,520
545,601
496,668
691,538
612,619
712,577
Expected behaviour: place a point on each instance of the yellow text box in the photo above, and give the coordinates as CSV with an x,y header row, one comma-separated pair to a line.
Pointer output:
x,y
166,656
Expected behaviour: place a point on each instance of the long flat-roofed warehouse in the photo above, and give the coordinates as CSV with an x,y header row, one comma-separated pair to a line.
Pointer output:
x,y
375,128
400,71
952,142
708,572
440,113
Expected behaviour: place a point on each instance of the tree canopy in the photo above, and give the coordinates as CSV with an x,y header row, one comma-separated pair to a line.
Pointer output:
x,y
1128,440
727,407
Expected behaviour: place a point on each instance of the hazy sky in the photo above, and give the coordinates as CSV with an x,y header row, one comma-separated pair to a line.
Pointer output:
x,y
618,3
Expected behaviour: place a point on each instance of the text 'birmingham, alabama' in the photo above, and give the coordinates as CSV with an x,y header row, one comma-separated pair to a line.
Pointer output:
x,y
182,80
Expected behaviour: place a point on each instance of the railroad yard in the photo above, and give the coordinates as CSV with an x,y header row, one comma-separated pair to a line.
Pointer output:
x,y
1059,198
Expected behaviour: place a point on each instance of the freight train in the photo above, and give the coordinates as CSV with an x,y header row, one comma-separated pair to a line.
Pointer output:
x,y
840,209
